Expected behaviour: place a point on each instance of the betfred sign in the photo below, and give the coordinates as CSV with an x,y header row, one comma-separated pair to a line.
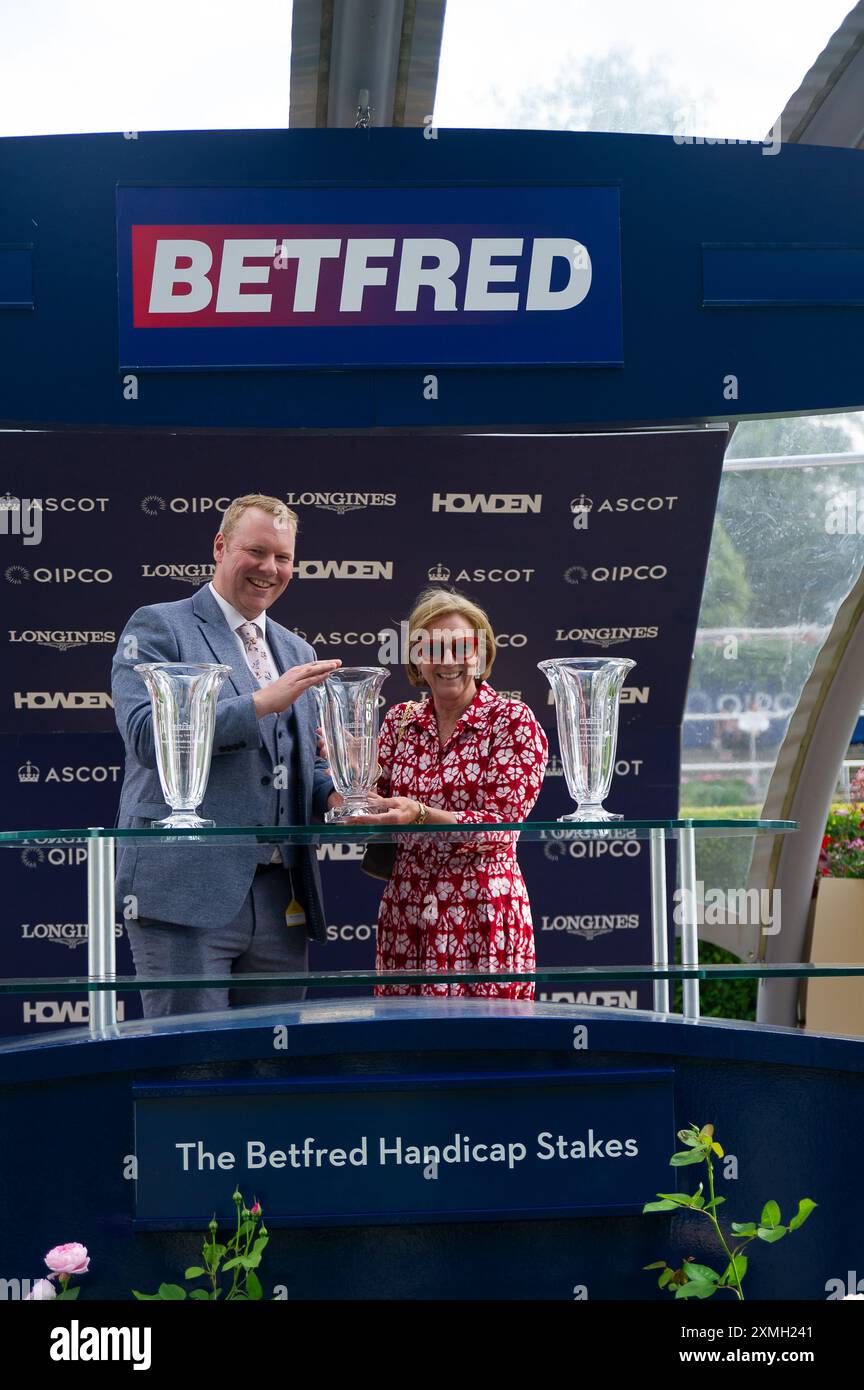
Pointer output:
x,y
428,277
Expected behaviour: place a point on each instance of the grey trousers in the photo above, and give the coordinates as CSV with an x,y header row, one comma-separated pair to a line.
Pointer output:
x,y
257,939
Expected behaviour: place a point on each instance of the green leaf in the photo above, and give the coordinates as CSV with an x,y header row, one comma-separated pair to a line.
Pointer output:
x,y
740,1263
805,1206
696,1288
260,1244
744,1228
243,1261
68,1294
770,1234
253,1285
706,1132
655,1206
698,1201
688,1156
697,1272
717,1150
171,1291
770,1215
199,1294
147,1297
665,1277
681,1199
709,1206
658,1264
194,1272
689,1136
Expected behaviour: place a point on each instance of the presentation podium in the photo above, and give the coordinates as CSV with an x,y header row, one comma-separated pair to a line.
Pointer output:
x,y
425,1146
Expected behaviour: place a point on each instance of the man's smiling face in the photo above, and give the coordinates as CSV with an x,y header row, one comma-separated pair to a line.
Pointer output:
x,y
255,564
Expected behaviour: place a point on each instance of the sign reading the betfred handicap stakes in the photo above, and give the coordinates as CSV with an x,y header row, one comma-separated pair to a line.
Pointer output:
x,y
336,1151
364,277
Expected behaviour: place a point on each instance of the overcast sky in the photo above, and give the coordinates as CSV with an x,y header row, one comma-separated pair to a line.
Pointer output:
x,y
88,65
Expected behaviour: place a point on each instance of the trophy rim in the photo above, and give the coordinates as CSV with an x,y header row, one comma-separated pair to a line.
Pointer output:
x,y
361,671
592,662
182,665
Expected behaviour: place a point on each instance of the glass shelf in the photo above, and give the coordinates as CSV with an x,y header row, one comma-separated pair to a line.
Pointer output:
x,y
363,979
346,834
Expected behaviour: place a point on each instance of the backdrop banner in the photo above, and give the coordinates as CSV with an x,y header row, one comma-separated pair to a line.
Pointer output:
x,y
575,545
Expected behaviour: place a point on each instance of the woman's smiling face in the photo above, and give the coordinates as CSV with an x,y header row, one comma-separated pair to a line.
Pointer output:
x,y
447,659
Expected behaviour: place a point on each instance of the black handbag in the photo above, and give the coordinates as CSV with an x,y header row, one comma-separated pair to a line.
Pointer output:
x,y
379,859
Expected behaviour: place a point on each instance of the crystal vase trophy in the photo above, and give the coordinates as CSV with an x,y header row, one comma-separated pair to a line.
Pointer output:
x,y
587,692
348,709
183,698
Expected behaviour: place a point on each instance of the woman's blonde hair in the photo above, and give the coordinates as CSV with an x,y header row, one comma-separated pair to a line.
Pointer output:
x,y
435,603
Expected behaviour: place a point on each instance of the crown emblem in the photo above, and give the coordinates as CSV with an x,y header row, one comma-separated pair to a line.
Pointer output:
x,y
10,503
554,767
581,503
28,772
438,572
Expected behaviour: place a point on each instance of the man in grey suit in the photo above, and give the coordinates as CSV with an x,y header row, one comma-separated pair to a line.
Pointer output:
x,y
216,909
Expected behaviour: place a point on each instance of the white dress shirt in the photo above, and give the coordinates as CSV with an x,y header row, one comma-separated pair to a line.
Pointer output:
x,y
234,620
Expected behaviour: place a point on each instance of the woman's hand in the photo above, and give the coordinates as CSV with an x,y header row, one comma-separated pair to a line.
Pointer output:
x,y
390,810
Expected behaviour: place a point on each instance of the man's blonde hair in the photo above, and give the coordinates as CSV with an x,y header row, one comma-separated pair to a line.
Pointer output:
x,y
285,518
433,604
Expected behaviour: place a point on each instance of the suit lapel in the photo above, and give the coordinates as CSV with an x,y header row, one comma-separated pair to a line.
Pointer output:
x,y
281,644
221,641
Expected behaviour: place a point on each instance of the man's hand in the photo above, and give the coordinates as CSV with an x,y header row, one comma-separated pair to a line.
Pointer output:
x,y
280,694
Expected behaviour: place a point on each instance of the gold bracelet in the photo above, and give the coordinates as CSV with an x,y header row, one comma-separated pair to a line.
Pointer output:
x,y
422,814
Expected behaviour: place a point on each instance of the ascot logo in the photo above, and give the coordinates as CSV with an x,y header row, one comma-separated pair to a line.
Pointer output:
x,y
605,636
344,639
441,574
70,504
340,502
60,640
152,505
623,767
29,774
495,503
63,699
601,574
622,504
184,574
345,569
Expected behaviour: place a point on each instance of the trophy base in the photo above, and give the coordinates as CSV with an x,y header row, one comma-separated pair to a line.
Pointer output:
x,y
361,806
183,820
587,812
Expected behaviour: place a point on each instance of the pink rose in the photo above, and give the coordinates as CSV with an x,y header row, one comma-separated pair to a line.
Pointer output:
x,y
255,1210
41,1290
68,1259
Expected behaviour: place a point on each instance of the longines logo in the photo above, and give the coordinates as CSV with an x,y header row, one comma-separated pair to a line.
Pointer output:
x,y
60,639
497,503
440,574
62,1011
152,505
622,504
605,636
602,574
62,699
340,502
65,574
630,695
30,775
345,569
591,927
185,574
69,934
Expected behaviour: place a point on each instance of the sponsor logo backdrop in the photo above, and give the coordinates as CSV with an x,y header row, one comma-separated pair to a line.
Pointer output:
x,y
586,545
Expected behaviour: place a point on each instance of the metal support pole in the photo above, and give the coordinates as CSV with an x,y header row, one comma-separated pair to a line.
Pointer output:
x,y
101,958
659,937
689,932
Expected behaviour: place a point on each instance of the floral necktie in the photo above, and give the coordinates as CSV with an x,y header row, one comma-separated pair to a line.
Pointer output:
x,y
256,652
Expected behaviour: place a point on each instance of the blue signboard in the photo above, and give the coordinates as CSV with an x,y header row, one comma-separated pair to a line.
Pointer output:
x,y
352,276
338,1151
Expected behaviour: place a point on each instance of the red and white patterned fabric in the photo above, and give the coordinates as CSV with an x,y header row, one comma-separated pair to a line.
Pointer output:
x,y
453,904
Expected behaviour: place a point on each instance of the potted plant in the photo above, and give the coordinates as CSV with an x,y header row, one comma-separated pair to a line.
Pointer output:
x,y
837,932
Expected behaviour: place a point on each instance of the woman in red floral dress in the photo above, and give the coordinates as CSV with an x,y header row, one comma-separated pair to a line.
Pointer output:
x,y
464,755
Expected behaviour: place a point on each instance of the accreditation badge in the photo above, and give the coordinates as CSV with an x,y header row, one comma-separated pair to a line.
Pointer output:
x,y
294,914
